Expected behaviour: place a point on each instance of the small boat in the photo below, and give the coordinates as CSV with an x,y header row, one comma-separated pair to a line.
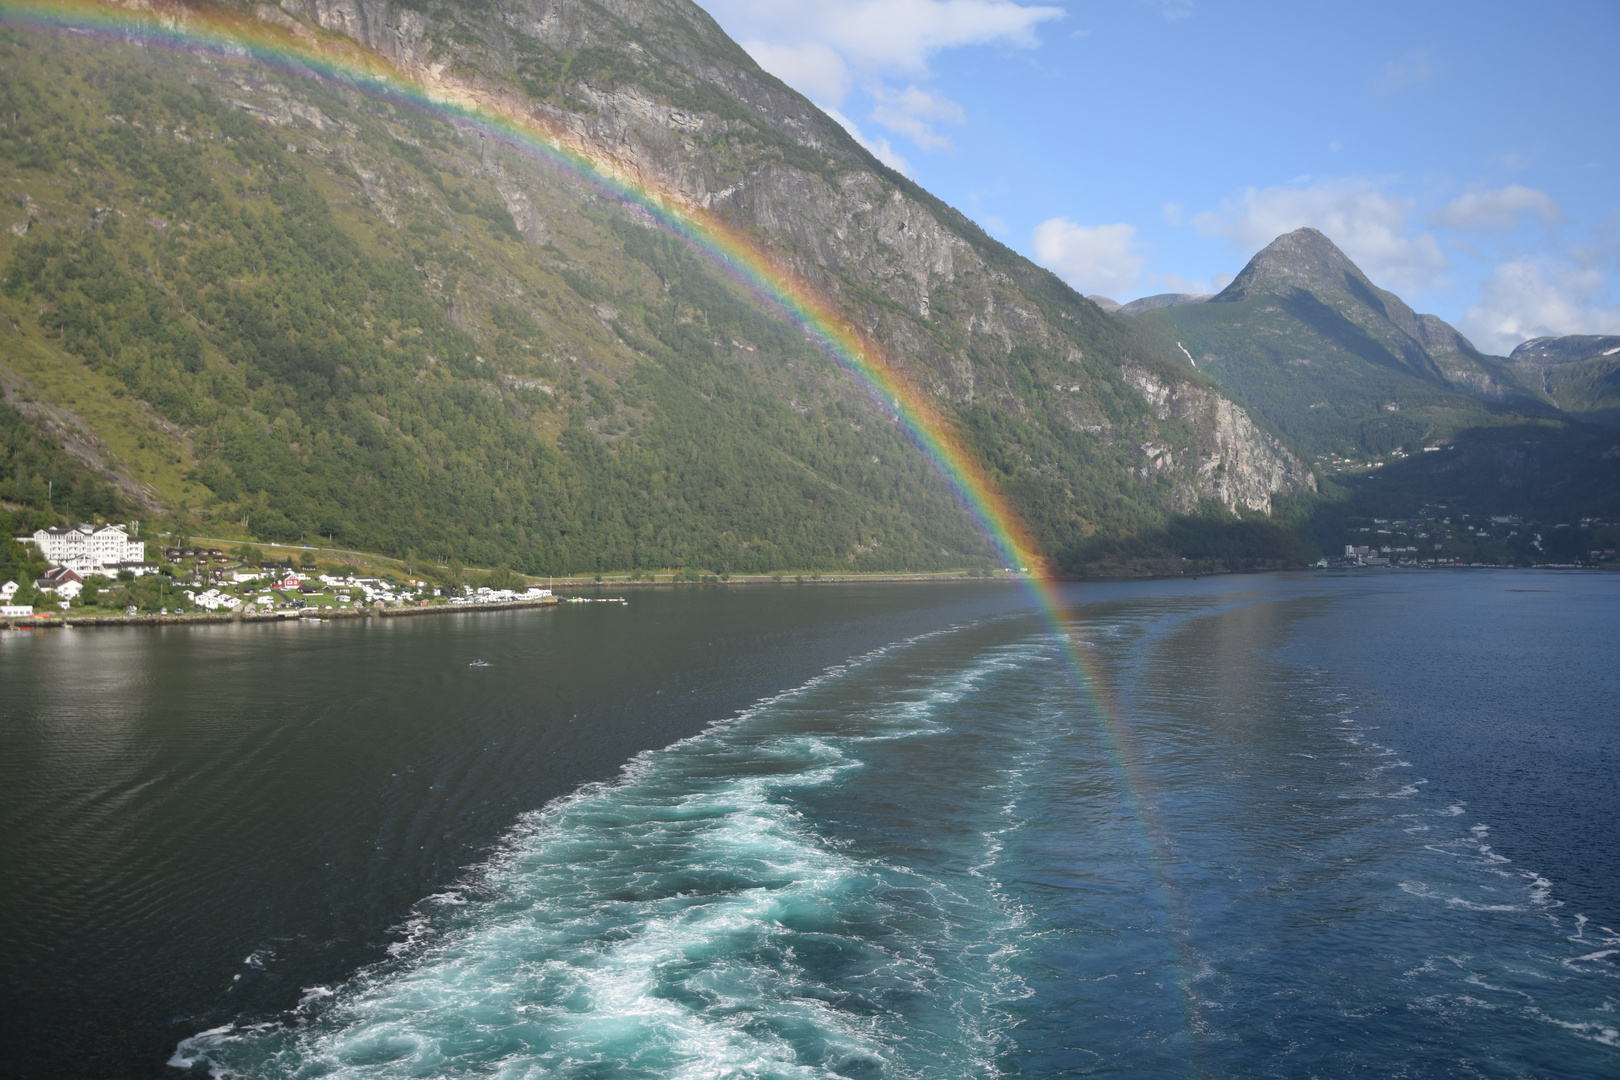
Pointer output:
x,y
480,663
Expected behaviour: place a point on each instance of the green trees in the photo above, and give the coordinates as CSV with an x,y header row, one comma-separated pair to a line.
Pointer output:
x,y
36,472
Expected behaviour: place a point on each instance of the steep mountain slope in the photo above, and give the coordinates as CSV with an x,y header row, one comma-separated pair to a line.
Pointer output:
x,y
298,310
1336,363
1579,373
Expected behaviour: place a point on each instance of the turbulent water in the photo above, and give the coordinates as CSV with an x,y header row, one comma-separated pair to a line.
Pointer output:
x,y
1260,830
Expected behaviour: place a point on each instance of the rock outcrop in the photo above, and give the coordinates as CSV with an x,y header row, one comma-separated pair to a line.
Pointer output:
x,y
1243,466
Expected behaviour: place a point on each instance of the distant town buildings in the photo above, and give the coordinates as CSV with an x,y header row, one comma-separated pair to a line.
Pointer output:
x,y
207,580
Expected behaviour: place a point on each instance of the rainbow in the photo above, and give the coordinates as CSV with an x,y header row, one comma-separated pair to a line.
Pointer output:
x,y
268,37
265,36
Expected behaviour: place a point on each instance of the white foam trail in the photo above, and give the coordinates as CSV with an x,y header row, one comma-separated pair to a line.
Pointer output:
x,y
673,918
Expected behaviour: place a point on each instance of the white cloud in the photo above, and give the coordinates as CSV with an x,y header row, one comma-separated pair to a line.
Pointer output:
x,y
1093,259
812,68
913,112
879,147
826,50
1498,210
883,36
1523,300
1368,226
1405,72
1518,160
1173,9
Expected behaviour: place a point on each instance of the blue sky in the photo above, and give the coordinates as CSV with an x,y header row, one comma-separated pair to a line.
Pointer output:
x,y
1465,155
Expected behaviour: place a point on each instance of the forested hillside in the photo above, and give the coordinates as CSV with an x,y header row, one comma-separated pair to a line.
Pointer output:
x,y
275,307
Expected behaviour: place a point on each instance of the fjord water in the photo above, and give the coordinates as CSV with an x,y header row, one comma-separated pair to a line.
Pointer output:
x,y
1321,825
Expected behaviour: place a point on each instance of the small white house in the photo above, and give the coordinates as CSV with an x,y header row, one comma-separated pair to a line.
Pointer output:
x,y
61,581
15,611
8,590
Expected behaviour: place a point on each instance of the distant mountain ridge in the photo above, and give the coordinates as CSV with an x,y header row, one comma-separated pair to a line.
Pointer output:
x,y
1163,300
1576,374
1335,362
1306,262
1398,406
1570,349
1148,303
1580,373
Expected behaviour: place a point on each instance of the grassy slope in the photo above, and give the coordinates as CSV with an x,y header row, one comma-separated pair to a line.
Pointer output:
x,y
130,439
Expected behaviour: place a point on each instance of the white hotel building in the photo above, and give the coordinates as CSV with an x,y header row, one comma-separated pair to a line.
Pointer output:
x,y
86,549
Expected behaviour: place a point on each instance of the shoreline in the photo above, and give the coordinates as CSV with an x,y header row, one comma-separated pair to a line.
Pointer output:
x,y
921,576
44,620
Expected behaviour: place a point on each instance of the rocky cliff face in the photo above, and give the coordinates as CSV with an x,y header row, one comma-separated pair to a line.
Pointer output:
x,y
655,85
1243,466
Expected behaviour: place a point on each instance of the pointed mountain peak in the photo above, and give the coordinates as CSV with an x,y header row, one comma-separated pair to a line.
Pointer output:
x,y
1303,259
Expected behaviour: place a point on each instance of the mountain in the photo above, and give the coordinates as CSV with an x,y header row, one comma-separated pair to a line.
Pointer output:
x,y
1579,373
1148,303
1338,365
257,302
1404,415
1162,300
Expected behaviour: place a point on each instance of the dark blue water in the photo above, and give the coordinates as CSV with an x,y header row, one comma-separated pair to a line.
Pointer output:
x,y
1286,826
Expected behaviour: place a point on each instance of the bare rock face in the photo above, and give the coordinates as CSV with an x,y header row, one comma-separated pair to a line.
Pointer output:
x,y
1242,467
684,111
